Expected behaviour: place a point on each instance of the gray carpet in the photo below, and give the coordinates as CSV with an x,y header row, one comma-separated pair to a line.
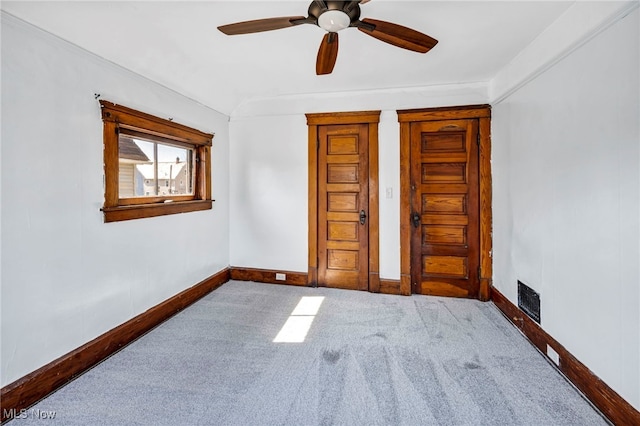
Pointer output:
x,y
368,359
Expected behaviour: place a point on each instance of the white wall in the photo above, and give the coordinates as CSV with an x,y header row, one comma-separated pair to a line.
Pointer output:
x,y
269,171
566,173
268,187
67,277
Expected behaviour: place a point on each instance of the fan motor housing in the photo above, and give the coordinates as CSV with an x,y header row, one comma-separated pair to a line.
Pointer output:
x,y
351,8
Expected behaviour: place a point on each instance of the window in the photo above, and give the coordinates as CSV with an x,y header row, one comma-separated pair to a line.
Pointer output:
x,y
153,166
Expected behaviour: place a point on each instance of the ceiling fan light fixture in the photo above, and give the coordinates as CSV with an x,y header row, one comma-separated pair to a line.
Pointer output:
x,y
334,21
335,16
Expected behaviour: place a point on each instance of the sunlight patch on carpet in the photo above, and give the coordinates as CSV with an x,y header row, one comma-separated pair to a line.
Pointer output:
x,y
297,326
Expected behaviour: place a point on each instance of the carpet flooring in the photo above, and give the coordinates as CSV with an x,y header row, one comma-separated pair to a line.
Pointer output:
x,y
367,359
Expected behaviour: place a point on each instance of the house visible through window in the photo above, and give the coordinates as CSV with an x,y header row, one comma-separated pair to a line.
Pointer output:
x,y
153,166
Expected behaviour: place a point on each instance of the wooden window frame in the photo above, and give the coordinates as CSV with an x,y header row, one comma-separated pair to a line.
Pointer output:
x,y
116,117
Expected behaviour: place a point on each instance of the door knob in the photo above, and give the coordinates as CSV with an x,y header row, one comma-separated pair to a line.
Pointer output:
x,y
415,218
363,217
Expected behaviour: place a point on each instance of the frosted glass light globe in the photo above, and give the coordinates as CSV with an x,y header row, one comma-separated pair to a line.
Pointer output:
x,y
334,21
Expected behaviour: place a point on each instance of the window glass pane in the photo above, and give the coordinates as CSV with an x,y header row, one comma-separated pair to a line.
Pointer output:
x,y
148,168
136,168
174,170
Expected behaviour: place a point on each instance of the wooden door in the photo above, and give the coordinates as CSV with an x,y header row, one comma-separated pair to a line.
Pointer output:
x,y
343,206
445,235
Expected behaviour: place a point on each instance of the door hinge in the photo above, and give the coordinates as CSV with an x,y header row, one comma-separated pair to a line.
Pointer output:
x,y
478,139
479,272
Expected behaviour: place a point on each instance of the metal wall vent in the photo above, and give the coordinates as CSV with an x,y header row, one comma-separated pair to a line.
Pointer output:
x,y
529,301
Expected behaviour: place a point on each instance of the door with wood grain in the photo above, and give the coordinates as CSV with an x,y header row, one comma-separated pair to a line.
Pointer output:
x,y
444,197
343,206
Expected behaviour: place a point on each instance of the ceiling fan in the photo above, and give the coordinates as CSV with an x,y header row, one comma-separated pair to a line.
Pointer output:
x,y
333,16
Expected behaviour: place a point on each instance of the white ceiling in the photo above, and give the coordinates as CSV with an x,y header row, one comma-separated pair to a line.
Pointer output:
x,y
178,45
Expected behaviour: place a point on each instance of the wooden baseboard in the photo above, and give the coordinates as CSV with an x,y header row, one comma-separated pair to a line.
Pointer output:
x,y
30,389
268,276
297,278
389,286
612,405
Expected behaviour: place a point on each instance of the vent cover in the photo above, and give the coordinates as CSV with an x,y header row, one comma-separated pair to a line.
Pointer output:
x,y
529,301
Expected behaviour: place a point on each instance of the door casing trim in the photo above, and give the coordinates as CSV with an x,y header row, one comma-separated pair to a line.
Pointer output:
x,y
405,118
314,120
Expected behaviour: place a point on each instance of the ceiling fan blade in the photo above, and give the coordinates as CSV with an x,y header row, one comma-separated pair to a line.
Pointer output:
x,y
260,25
327,54
398,35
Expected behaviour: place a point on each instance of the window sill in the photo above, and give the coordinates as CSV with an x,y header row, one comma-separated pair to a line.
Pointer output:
x,y
139,211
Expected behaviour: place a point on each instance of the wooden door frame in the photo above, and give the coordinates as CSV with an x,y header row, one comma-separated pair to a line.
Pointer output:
x,y
371,118
405,118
